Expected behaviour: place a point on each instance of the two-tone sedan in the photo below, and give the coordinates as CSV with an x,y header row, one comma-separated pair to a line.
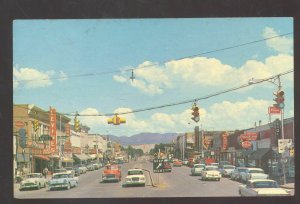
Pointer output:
x,y
253,173
33,181
226,170
197,169
211,173
135,177
62,181
262,187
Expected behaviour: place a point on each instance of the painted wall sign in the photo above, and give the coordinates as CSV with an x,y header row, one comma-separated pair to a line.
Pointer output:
x,y
249,136
52,129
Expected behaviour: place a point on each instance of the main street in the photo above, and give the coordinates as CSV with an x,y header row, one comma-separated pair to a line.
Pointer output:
x,y
178,183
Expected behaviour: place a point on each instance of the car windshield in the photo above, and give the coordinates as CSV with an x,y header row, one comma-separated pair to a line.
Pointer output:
x,y
228,167
265,184
242,170
210,168
59,176
59,170
256,171
199,166
137,172
32,176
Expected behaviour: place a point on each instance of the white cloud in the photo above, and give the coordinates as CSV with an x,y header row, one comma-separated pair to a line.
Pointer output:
x,y
280,44
92,121
33,78
120,79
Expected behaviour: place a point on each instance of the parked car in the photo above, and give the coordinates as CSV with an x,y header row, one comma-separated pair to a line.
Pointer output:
x,y
253,173
96,166
135,177
262,187
112,172
90,167
167,167
211,173
226,170
70,170
77,171
177,163
236,174
34,180
197,169
62,180
214,164
82,168
62,170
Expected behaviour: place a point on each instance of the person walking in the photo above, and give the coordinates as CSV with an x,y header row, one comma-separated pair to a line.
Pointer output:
x,y
45,172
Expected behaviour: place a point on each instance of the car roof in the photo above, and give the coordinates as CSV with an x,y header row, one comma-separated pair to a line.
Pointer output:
x,y
61,173
254,168
228,165
258,180
34,174
135,169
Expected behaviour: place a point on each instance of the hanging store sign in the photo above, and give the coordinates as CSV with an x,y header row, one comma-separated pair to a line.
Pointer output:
x,y
246,144
207,142
52,129
225,141
274,110
249,136
284,144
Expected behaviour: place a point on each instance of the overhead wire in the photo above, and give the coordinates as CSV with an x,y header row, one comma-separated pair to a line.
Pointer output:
x,y
154,64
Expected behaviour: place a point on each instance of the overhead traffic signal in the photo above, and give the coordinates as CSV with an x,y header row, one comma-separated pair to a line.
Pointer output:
x,y
76,124
195,113
279,99
116,120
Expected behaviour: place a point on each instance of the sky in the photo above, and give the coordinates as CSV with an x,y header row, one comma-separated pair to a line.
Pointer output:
x,y
85,66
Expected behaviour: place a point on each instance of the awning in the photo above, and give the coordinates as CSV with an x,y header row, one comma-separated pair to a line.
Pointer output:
x,y
42,157
68,160
260,153
81,157
54,156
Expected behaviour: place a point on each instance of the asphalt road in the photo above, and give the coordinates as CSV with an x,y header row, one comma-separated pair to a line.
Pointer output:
x,y
178,183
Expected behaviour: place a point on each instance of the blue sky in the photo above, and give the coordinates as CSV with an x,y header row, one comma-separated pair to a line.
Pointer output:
x,y
63,48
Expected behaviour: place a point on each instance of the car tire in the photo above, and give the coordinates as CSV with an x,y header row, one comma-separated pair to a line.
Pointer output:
x,y
38,187
69,186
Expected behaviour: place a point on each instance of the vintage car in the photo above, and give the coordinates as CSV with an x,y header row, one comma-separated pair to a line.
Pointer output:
x,y
226,170
235,175
62,180
253,173
90,167
177,163
197,169
135,177
211,173
112,172
33,181
70,170
262,187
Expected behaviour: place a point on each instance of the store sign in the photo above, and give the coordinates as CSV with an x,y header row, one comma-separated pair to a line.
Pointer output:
x,y
225,141
249,136
274,110
277,129
52,129
246,144
284,144
207,142
19,124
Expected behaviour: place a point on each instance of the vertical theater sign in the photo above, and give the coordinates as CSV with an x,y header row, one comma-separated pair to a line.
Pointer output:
x,y
52,129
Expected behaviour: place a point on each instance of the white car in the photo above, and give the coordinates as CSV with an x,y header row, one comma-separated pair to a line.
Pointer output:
x,y
62,180
262,187
211,173
197,169
135,177
235,175
34,180
226,170
253,173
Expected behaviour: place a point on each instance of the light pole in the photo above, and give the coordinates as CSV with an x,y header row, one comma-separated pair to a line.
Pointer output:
x,y
279,87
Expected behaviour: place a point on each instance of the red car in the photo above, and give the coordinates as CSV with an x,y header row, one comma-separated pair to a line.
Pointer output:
x,y
112,173
167,167
177,163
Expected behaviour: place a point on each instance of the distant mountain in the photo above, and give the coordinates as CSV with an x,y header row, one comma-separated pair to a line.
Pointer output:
x,y
144,138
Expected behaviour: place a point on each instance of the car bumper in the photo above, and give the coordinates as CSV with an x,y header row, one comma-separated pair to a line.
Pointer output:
x,y
212,177
110,179
28,187
58,186
134,183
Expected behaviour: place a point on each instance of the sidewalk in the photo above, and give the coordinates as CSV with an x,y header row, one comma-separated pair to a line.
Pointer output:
x,y
290,182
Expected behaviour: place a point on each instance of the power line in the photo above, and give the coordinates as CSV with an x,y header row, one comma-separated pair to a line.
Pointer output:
x,y
182,102
153,64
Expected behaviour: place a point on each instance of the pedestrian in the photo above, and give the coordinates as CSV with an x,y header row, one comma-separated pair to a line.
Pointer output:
x,y
45,172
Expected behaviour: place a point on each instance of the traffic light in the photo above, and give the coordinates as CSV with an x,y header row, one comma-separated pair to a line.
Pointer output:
x,y
116,120
279,99
22,134
76,124
195,113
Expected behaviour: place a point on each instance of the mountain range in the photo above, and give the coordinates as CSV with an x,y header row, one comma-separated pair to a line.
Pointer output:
x,y
144,138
